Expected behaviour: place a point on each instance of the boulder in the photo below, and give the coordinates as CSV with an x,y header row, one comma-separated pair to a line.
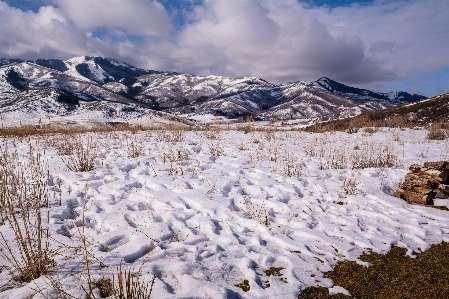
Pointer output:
x,y
425,183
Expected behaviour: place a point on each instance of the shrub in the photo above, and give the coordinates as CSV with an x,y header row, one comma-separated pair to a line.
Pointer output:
x,y
84,153
437,134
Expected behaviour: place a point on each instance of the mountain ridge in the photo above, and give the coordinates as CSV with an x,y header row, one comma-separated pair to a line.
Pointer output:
x,y
90,79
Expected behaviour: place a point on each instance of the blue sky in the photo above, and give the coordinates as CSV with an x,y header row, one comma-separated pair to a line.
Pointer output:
x,y
380,45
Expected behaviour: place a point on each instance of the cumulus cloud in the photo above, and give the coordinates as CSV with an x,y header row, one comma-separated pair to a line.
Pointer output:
x,y
405,37
50,33
27,34
288,40
276,40
135,17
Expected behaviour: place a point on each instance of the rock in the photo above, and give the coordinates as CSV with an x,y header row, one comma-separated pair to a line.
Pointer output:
x,y
441,195
415,168
444,188
440,165
416,197
425,183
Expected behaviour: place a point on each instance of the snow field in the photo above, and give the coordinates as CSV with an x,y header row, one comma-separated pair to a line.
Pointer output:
x,y
205,211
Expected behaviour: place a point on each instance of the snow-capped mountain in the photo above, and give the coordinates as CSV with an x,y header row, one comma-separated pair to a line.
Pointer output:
x,y
363,95
47,87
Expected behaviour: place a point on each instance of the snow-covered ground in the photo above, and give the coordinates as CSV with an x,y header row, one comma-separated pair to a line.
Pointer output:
x,y
215,209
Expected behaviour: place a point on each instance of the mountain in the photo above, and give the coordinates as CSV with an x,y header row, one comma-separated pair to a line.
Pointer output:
x,y
433,110
107,88
421,113
363,95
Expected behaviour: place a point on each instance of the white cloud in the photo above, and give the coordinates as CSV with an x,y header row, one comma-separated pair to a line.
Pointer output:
x,y
271,39
26,34
286,40
405,37
276,40
135,17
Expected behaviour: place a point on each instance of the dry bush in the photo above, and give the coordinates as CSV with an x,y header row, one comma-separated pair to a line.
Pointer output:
x,y
291,166
62,143
212,132
171,133
174,157
338,158
437,134
350,185
397,121
83,155
257,212
371,130
395,134
135,146
270,135
314,147
23,191
249,127
373,154
216,149
273,153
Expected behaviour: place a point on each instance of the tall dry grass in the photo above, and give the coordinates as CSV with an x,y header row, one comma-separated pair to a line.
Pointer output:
x,y
123,285
83,154
23,192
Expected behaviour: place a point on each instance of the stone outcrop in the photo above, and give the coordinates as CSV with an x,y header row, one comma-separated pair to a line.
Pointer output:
x,y
425,183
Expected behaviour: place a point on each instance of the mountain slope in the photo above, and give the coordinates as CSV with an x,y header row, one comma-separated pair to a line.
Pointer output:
x,y
74,85
429,111
363,95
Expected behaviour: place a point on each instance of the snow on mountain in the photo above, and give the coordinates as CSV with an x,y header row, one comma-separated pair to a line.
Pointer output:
x,y
85,79
363,95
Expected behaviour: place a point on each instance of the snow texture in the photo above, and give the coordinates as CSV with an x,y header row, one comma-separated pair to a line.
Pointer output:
x,y
206,214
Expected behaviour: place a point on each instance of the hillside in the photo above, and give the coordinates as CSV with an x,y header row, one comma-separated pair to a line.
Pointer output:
x,y
107,88
425,112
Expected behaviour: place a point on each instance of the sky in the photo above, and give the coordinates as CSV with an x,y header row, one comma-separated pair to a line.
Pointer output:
x,y
381,45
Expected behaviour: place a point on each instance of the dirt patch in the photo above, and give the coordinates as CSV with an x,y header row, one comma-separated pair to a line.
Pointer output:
x,y
393,275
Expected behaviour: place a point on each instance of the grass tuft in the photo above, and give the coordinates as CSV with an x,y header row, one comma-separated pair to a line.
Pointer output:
x,y
84,153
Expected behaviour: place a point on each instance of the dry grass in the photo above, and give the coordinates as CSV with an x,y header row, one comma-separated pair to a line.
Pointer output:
x,y
291,166
337,152
350,185
437,134
392,276
23,191
375,154
212,132
134,145
175,158
29,130
122,286
257,212
172,133
84,153
216,149
129,288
